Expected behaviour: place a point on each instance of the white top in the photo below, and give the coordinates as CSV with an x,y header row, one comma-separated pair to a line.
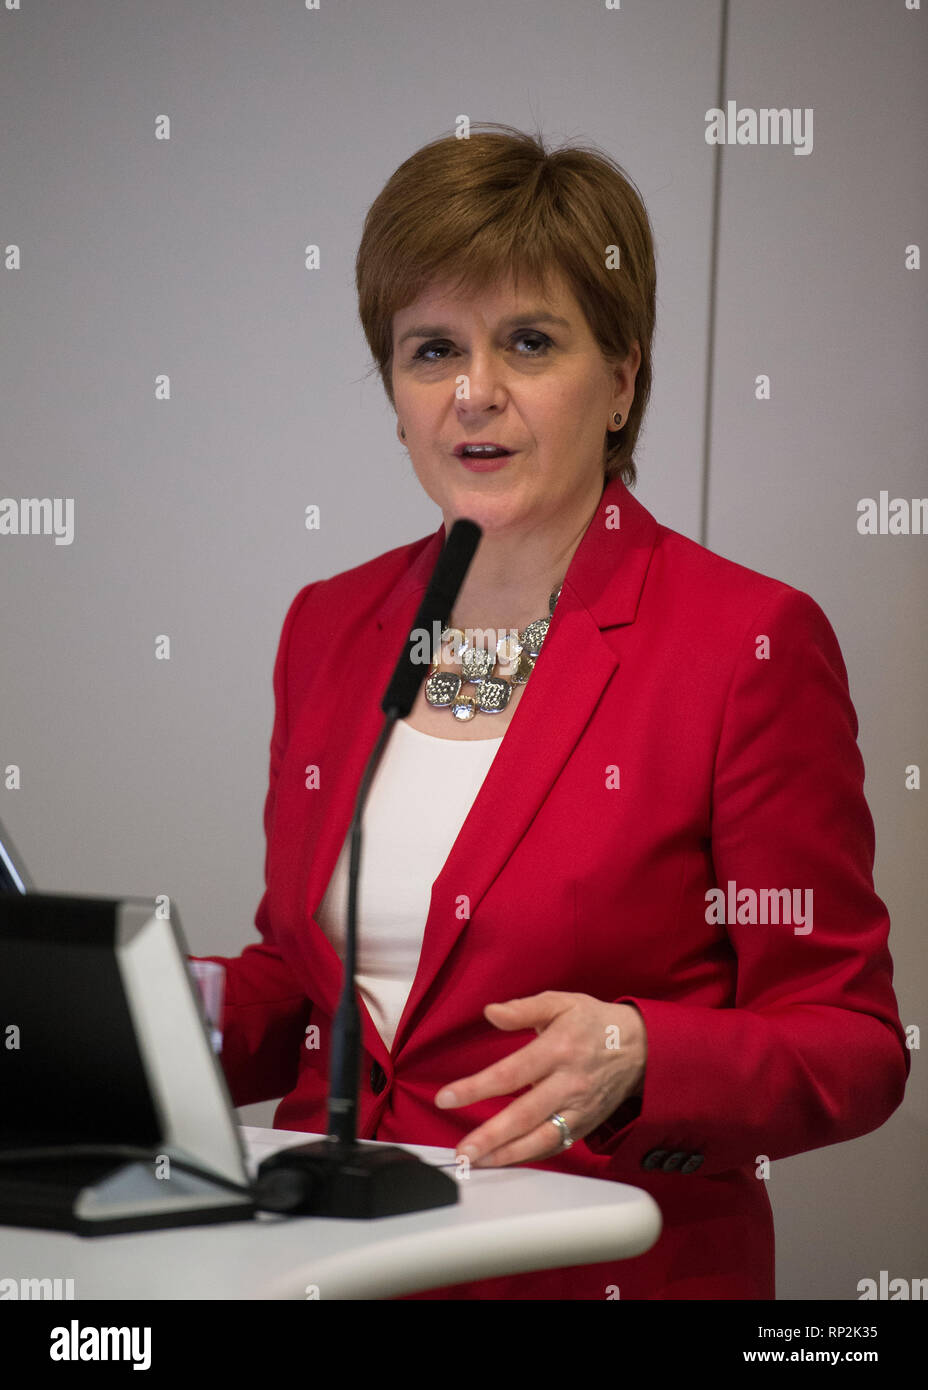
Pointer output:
x,y
420,796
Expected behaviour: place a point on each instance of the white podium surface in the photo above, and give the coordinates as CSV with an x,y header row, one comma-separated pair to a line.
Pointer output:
x,y
507,1221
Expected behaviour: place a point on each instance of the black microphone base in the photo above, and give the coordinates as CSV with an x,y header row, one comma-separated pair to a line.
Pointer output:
x,y
355,1181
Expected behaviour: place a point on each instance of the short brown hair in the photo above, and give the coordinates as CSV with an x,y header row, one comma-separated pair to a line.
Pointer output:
x,y
480,210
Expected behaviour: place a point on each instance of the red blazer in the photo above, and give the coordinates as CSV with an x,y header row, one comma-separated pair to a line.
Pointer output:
x,y
735,766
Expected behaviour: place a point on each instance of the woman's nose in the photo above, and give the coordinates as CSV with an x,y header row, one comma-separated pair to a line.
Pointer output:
x,y
483,383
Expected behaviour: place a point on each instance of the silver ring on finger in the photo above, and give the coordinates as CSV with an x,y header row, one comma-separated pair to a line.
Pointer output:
x,y
564,1131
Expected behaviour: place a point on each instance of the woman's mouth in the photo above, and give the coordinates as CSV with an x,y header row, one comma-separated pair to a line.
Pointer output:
x,y
483,457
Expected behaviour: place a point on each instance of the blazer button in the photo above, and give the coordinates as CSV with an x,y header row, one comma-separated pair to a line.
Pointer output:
x,y
378,1078
693,1162
654,1159
672,1162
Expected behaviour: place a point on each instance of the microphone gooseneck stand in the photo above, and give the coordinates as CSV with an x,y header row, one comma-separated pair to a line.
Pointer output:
x,y
338,1176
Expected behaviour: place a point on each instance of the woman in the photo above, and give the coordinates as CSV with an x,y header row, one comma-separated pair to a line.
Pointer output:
x,y
617,910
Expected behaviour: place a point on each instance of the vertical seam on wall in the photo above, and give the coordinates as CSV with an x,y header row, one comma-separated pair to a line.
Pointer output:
x,y
713,286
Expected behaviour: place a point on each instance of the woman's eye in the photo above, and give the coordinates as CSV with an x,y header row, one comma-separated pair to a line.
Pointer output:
x,y
419,354
540,341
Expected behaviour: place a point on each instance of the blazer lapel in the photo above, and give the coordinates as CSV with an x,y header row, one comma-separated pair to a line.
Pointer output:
x,y
601,589
350,735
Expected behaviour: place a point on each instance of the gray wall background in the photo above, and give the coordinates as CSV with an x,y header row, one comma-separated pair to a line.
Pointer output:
x,y
144,256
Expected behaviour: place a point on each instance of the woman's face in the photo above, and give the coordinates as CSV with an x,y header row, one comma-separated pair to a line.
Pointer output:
x,y
521,371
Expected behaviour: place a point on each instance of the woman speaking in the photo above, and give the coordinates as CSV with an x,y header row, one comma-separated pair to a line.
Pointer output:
x,y
616,905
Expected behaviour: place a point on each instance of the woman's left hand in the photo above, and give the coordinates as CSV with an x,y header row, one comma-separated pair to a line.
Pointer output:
x,y
588,1058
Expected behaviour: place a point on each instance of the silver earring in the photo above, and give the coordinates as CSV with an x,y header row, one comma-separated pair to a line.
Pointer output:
x,y
616,418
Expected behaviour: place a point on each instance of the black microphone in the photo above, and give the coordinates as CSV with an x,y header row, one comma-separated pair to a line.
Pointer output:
x,y
435,608
338,1176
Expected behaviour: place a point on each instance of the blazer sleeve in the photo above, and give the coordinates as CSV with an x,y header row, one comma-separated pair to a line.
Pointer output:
x,y
265,1011
812,1052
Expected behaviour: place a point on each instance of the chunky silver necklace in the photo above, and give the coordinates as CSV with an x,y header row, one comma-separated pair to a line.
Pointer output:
x,y
515,656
